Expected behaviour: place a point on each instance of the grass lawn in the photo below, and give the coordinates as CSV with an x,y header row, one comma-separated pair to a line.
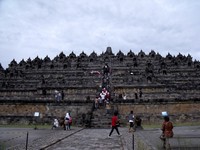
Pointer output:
x,y
25,126
148,126
145,126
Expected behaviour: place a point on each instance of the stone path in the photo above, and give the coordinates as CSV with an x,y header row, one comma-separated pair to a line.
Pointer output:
x,y
186,138
90,139
15,138
77,138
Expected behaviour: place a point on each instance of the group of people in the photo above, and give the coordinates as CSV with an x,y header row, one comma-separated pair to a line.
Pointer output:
x,y
66,123
102,99
115,123
138,94
167,127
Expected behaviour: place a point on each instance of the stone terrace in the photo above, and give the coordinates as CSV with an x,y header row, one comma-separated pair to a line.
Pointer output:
x,y
171,77
149,81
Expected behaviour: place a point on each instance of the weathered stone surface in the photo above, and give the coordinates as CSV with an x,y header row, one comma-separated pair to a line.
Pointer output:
x,y
24,113
172,77
151,83
151,113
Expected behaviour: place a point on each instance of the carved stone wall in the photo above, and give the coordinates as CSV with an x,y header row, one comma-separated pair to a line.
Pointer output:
x,y
145,79
151,113
24,113
159,77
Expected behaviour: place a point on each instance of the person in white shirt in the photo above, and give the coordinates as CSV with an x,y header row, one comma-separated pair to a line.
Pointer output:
x,y
55,123
131,119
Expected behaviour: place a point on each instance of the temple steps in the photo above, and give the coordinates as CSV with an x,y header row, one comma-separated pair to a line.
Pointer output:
x,y
100,119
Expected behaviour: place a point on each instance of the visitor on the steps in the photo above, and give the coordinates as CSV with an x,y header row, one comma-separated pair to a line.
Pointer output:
x,y
114,124
140,93
136,95
107,97
58,96
102,95
106,69
96,102
108,108
100,101
63,95
124,96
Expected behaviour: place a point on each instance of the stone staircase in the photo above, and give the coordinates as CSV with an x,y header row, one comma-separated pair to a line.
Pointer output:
x,y
100,119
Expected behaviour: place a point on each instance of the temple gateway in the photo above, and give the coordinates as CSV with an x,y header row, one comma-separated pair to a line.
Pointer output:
x,y
145,83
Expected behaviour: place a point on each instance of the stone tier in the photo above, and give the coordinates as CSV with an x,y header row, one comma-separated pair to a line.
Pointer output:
x,y
80,77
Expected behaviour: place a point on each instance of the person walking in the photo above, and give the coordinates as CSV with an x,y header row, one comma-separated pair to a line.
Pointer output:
x,y
114,125
167,132
131,119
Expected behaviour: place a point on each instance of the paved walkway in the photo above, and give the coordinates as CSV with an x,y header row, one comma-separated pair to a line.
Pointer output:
x,y
186,138
75,139
90,139
15,138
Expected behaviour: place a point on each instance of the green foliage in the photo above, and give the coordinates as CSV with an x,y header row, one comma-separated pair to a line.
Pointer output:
x,y
2,146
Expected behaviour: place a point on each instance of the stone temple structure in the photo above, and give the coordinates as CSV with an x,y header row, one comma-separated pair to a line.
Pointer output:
x,y
143,78
160,78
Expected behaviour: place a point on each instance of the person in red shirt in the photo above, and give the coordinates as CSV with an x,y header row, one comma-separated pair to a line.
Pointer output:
x,y
167,132
114,123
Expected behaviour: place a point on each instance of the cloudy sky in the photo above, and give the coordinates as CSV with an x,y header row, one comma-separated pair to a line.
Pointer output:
x,y
31,28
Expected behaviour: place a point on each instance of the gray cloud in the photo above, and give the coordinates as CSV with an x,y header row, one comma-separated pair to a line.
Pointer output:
x,y
39,28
